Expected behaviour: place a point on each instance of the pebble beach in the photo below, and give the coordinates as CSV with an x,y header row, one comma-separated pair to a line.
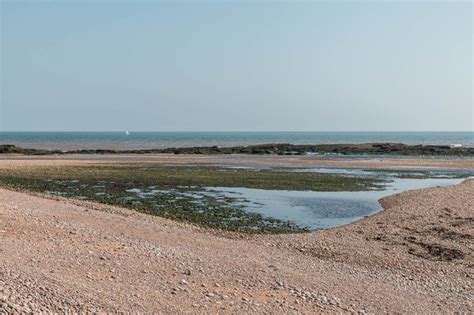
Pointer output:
x,y
61,255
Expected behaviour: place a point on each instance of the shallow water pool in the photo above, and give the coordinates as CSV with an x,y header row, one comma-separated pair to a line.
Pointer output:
x,y
322,210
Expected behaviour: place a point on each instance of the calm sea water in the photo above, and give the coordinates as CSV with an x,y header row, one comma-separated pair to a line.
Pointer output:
x,y
142,140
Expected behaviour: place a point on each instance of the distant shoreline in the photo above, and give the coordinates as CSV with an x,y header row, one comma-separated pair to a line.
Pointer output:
x,y
271,149
68,141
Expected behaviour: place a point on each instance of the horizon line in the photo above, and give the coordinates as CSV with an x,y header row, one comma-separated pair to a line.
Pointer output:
x,y
243,131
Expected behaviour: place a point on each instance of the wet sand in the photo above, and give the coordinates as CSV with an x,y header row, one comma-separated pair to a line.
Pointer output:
x,y
398,163
62,255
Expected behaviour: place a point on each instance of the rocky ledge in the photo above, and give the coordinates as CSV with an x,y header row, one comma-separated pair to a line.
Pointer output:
x,y
278,148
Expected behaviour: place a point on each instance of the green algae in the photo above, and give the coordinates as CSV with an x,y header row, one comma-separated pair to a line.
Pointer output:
x,y
180,192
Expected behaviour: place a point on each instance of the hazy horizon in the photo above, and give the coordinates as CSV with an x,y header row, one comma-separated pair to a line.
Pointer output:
x,y
236,66
236,131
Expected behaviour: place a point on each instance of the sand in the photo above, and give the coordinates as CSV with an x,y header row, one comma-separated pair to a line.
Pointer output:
x,y
399,163
59,255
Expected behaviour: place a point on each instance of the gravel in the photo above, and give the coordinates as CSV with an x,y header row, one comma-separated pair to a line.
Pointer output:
x,y
59,255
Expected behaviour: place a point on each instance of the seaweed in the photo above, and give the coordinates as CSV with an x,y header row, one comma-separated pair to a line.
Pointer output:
x,y
179,192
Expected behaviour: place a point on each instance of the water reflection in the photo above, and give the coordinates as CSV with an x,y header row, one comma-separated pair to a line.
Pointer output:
x,y
320,210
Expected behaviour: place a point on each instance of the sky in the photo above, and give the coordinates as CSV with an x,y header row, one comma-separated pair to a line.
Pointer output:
x,y
236,65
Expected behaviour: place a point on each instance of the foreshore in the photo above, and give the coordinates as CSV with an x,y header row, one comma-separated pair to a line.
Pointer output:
x,y
373,162
59,255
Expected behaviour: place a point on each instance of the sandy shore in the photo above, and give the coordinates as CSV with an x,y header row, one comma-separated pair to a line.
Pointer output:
x,y
399,163
58,255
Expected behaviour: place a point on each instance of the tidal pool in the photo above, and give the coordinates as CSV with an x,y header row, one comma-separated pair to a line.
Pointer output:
x,y
322,210
251,209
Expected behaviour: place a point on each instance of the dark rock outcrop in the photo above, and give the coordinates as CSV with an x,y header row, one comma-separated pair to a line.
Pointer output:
x,y
277,148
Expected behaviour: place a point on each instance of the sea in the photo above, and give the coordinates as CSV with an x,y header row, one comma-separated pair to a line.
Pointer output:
x,y
125,140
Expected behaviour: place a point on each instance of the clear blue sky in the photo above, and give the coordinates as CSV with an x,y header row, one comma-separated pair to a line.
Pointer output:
x,y
241,65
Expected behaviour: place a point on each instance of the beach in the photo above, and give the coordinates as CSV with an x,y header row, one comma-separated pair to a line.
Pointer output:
x,y
61,254
236,157
375,162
